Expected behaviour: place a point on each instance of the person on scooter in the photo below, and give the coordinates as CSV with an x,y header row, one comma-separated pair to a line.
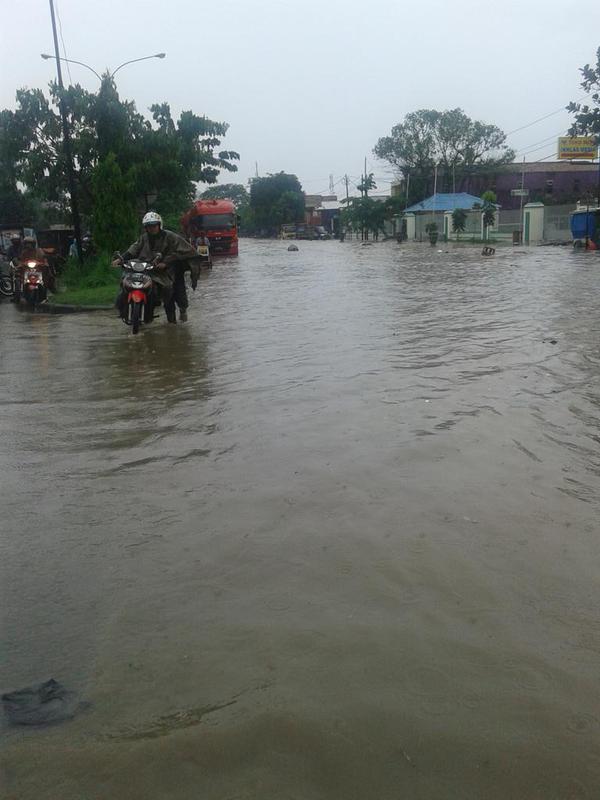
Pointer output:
x,y
14,250
173,249
31,252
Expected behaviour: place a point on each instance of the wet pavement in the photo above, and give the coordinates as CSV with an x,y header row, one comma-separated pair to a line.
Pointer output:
x,y
336,537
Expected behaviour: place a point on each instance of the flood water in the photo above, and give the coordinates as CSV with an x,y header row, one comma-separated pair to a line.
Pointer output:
x,y
336,537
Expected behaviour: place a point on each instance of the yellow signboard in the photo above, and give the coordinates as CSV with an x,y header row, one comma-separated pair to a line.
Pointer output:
x,y
574,147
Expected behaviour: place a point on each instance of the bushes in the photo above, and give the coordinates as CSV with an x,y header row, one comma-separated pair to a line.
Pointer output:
x,y
96,284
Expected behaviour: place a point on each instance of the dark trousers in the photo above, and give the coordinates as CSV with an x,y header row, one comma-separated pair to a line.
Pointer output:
x,y
179,290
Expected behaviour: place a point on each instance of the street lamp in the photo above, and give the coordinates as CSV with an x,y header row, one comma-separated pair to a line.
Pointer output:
x,y
133,60
112,74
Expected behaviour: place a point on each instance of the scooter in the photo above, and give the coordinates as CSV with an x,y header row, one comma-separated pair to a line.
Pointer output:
x,y
204,255
140,299
7,281
32,288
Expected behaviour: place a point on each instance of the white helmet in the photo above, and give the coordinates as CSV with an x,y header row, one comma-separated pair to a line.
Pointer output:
x,y
152,218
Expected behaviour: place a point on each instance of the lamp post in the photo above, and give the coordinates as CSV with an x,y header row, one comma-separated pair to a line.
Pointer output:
x,y
111,74
67,143
65,123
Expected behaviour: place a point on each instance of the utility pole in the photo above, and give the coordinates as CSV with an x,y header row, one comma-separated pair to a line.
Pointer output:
x,y
522,192
343,232
67,143
365,231
598,197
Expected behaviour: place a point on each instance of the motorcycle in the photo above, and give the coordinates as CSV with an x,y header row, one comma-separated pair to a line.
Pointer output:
x,y
7,282
32,288
140,297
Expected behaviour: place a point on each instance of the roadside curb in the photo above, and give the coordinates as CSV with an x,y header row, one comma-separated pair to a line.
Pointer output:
x,y
64,308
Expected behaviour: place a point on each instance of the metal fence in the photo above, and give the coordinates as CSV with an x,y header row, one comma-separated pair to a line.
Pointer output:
x,y
557,223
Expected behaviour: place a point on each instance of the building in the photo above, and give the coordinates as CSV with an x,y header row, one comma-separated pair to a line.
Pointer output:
x,y
323,210
548,182
438,208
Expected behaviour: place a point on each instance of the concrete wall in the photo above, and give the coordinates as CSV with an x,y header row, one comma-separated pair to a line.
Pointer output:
x,y
556,223
545,224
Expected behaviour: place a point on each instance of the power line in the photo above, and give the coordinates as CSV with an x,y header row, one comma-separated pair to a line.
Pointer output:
x,y
541,145
63,41
541,141
541,119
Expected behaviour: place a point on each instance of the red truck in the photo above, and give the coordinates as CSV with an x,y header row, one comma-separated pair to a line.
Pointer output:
x,y
218,220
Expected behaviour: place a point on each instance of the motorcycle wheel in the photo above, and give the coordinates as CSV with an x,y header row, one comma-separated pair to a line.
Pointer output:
x,y
32,298
136,317
6,287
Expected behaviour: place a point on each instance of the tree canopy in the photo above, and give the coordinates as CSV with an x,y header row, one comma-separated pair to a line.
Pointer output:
x,y
159,159
232,191
450,140
275,200
368,215
587,115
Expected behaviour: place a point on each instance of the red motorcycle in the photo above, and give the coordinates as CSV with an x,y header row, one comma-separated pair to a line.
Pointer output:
x,y
139,294
30,285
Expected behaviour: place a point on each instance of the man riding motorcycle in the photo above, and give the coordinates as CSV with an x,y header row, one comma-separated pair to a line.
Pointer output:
x,y
31,252
173,250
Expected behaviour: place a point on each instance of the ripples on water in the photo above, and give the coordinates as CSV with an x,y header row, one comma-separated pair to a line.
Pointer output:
x,y
336,537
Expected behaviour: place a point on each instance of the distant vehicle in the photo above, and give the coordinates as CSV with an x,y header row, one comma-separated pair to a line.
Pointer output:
x,y
288,231
585,226
300,230
218,220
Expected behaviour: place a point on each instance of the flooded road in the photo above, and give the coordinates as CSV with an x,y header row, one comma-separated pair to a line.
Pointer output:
x,y
336,537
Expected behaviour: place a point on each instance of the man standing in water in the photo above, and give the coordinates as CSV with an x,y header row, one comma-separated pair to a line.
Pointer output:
x,y
174,251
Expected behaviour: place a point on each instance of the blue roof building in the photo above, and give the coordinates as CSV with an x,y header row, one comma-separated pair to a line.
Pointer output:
x,y
446,202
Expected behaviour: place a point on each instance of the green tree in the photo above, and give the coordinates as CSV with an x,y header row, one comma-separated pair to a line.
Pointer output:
x,y
367,183
231,191
160,159
451,140
114,220
459,221
489,210
366,215
587,115
275,200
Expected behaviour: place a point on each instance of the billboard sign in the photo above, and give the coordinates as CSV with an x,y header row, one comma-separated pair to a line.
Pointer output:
x,y
577,147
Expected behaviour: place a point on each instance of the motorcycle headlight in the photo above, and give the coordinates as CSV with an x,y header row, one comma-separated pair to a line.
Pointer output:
x,y
31,264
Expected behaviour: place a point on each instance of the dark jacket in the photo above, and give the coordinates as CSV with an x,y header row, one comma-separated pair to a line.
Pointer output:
x,y
173,248
14,251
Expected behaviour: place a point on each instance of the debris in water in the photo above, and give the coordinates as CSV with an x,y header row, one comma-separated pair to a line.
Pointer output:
x,y
292,248
41,705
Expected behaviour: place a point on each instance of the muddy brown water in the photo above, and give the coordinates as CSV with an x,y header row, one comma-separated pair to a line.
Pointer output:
x,y
336,537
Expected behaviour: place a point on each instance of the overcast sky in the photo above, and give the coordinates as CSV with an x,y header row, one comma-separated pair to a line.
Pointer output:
x,y
308,87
